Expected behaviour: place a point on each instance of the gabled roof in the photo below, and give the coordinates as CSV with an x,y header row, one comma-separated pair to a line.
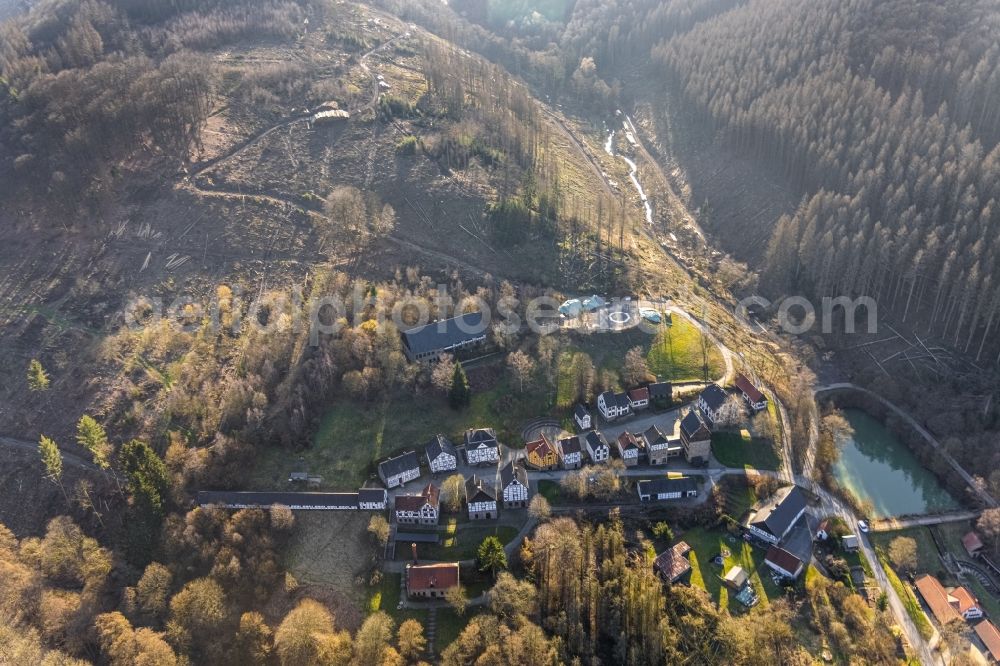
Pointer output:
x,y
673,562
570,445
990,637
714,396
936,598
612,399
749,388
478,490
660,390
437,445
445,334
628,441
580,411
963,599
654,438
372,495
595,439
638,394
477,438
510,472
399,464
439,576
541,446
431,494
663,485
692,423
783,559
972,543
778,513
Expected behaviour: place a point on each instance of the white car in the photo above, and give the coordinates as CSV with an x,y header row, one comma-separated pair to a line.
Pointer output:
x,y
863,526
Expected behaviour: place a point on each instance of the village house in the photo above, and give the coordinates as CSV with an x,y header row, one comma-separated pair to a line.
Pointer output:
x,y
481,446
613,405
373,499
711,401
582,417
661,395
755,399
480,499
673,564
773,518
441,454
666,488
541,453
422,509
597,447
965,602
972,544
399,470
936,598
696,438
570,452
425,344
990,637
431,581
628,448
783,562
638,398
512,480
659,447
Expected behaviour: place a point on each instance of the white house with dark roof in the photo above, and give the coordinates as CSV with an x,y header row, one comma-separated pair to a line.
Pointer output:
x,y
512,481
373,499
570,452
399,470
614,405
441,454
480,498
773,518
666,488
582,417
711,401
597,447
422,509
426,343
481,446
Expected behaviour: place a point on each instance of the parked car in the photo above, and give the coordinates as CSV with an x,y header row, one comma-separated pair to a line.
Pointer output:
x,y
863,526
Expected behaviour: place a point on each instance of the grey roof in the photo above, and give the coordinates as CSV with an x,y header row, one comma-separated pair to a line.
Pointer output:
x,y
372,495
660,390
267,499
570,445
691,423
682,484
439,444
616,399
509,472
477,490
653,436
445,334
595,439
714,396
399,464
477,437
581,411
778,513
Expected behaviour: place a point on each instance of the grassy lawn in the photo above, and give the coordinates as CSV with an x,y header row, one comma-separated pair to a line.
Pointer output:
x,y
680,353
739,496
704,574
904,592
927,554
738,449
450,625
352,436
551,491
461,544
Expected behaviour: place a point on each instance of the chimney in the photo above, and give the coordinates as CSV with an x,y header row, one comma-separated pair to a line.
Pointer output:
x,y
413,547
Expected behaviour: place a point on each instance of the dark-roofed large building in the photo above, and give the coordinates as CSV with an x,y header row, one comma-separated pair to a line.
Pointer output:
x,y
481,446
711,401
613,405
480,498
666,488
696,438
441,454
373,499
397,471
426,343
512,481
773,518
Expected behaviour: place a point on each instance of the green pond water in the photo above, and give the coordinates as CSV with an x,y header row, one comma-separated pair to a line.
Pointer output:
x,y
878,469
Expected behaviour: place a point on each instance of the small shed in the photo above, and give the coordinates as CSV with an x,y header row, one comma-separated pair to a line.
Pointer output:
x,y
972,543
736,578
849,542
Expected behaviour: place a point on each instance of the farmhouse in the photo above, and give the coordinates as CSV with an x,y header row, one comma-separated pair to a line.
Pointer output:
x,y
570,452
711,402
673,564
666,488
513,483
582,417
441,454
613,405
422,509
431,581
696,438
628,448
659,447
772,519
936,598
541,453
965,603
661,394
753,396
597,447
426,343
990,637
397,471
481,446
480,498
638,398
783,562
373,499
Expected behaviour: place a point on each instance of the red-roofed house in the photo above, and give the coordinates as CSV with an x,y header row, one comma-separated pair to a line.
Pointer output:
x,y
423,508
972,543
783,562
936,598
431,580
639,398
756,400
990,637
965,603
